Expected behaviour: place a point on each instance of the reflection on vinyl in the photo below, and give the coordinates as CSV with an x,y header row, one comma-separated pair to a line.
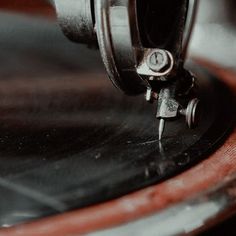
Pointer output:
x,y
85,143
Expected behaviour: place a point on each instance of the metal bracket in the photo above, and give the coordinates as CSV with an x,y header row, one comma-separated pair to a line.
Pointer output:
x,y
157,64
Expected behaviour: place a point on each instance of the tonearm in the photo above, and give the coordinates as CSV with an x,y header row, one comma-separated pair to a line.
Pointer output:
x,y
143,45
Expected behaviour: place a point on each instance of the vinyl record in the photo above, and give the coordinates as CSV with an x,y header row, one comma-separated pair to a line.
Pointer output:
x,y
69,140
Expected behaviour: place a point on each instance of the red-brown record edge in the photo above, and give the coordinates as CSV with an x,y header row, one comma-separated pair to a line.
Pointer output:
x,y
151,200
29,7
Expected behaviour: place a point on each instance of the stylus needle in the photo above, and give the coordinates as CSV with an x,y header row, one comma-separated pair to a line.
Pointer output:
x,y
161,128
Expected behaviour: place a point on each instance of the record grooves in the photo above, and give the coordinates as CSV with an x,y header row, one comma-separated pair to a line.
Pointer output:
x,y
82,143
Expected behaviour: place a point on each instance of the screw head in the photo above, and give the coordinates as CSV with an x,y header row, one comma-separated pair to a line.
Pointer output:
x,y
193,113
157,60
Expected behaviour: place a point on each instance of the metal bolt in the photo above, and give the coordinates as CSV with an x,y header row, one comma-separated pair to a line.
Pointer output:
x,y
157,60
150,95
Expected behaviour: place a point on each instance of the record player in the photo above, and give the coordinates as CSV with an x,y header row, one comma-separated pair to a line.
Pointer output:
x,y
154,148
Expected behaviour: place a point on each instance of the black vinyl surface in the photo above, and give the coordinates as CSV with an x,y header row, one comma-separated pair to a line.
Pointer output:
x,y
68,139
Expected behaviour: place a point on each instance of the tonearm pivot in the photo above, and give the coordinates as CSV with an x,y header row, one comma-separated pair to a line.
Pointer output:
x,y
143,46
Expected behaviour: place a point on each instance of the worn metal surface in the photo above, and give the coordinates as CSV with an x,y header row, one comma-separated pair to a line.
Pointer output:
x,y
118,43
76,18
124,29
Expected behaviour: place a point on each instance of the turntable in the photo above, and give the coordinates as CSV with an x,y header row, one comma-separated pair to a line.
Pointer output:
x,y
79,156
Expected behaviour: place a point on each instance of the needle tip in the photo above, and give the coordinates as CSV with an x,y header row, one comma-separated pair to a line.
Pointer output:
x,y
161,128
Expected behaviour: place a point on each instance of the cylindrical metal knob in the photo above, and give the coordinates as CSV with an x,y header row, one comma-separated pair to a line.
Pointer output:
x,y
192,113
76,18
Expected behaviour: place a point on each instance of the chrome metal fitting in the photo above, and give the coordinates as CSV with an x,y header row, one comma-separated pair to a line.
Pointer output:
x,y
124,30
142,44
